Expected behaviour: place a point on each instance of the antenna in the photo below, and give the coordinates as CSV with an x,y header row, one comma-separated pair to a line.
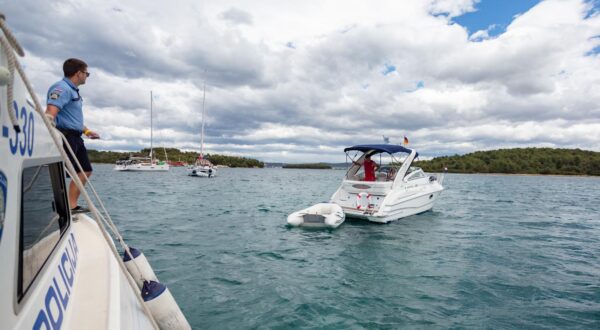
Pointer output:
x,y
151,146
202,133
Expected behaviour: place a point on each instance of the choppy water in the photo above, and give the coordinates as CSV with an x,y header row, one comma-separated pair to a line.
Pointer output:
x,y
496,251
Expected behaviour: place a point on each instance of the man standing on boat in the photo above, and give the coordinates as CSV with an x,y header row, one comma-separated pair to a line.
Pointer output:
x,y
65,109
370,167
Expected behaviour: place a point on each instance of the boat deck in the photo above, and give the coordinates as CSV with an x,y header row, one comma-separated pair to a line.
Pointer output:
x,y
114,305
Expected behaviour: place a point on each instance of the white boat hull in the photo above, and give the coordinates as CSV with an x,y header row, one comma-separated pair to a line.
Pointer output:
x,y
403,206
142,168
58,270
322,215
202,172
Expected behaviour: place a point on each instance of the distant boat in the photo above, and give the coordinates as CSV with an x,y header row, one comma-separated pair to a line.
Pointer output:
x,y
178,163
145,164
202,167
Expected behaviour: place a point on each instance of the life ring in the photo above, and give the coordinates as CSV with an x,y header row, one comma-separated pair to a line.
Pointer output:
x,y
363,200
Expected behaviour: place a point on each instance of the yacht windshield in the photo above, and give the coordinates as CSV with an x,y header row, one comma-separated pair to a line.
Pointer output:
x,y
385,169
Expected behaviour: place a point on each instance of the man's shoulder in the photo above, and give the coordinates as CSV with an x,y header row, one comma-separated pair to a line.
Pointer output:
x,y
59,86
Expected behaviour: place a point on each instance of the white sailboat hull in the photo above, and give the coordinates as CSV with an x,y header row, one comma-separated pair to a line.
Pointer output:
x,y
202,172
142,168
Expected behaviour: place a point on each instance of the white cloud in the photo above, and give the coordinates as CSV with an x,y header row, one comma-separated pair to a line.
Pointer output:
x,y
534,85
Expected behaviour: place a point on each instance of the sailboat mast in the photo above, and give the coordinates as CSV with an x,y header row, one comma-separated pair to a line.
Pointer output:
x,y
202,133
151,146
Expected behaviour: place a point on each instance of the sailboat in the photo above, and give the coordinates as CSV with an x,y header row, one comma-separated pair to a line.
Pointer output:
x,y
145,164
202,168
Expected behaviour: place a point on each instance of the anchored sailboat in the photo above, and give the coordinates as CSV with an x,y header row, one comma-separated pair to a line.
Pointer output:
x,y
202,167
144,163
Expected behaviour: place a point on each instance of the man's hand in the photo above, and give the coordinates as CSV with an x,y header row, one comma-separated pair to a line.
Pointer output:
x,y
51,119
91,134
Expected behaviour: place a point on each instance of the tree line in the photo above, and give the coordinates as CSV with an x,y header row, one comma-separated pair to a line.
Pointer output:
x,y
314,166
519,161
173,154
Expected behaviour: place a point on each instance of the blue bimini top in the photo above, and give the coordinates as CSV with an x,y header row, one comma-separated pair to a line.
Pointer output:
x,y
389,148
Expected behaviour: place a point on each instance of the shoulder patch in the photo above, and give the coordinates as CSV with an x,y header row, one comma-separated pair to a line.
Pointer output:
x,y
55,92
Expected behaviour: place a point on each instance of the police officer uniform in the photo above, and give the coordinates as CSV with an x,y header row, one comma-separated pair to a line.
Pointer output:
x,y
65,96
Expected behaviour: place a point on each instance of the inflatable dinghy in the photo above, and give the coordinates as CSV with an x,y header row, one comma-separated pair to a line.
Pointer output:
x,y
322,215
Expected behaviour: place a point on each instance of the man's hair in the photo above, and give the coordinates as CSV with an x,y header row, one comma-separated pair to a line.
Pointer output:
x,y
72,66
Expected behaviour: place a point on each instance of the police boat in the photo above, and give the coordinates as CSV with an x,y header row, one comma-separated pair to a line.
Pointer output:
x,y
57,269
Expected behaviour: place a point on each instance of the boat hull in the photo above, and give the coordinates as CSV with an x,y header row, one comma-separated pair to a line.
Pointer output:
x,y
202,172
403,207
142,168
387,202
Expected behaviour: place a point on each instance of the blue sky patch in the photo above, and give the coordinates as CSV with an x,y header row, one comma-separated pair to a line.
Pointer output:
x,y
594,51
388,68
494,15
594,9
419,85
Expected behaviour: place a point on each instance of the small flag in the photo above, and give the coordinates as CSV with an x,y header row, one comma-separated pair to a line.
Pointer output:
x,y
405,140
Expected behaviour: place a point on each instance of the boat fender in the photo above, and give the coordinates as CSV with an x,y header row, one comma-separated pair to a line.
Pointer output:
x,y
163,307
142,263
363,200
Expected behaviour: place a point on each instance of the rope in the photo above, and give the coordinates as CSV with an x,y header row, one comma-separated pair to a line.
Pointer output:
x,y
5,41
8,42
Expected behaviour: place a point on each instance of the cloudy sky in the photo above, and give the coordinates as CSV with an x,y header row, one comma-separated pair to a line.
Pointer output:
x,y
292,81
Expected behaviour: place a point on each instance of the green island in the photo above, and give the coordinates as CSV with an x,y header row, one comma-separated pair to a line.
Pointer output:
x,y
175,155
519,161
314,166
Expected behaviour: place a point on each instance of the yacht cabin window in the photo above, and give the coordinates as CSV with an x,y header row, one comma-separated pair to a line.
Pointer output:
x,y
416,174
44,219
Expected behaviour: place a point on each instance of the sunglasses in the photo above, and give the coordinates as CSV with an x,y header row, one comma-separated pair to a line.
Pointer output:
x,y
87,74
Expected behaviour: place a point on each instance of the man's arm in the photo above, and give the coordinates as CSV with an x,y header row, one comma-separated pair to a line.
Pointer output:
x,y
51,112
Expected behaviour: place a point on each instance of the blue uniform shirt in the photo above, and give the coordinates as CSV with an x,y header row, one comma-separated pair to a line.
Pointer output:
x,y
65,96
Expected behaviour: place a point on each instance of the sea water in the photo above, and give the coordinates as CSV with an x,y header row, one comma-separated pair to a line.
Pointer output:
x,y
496,251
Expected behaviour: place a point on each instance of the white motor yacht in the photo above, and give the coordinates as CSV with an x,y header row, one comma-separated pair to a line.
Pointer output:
x,y
397,190
59,269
